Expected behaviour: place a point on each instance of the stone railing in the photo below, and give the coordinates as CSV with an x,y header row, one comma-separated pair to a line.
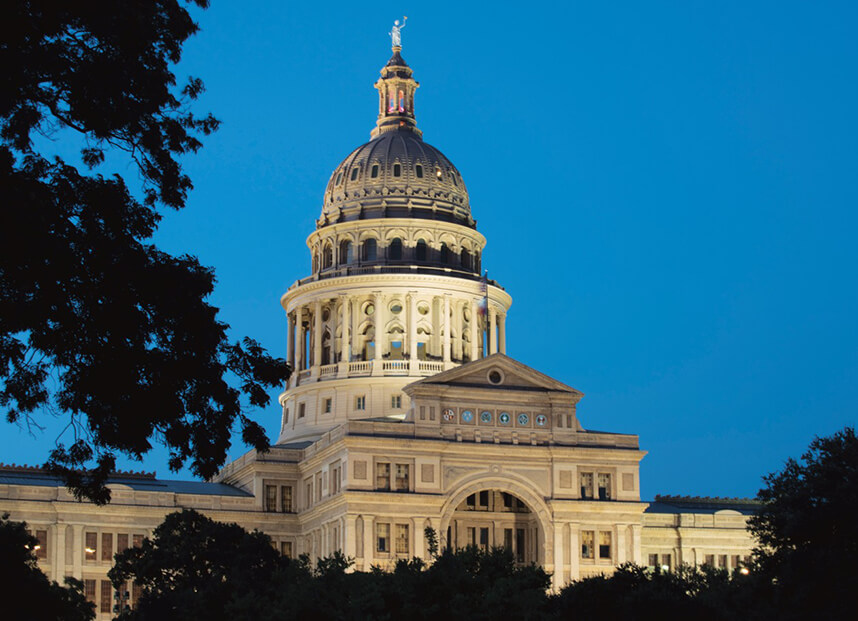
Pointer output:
x,y
365,368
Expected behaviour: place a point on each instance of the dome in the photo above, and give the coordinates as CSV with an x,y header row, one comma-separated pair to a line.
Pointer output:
x,y
395,175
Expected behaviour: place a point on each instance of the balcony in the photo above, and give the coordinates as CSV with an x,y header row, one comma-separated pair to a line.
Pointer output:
x,y
367,368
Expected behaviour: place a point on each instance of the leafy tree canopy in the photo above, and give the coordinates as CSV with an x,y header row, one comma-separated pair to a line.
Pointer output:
x,y
96,322
25,590
808,532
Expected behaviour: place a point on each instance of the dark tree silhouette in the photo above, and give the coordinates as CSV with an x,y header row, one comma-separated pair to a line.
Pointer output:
x,y
25,590
808,532
96,322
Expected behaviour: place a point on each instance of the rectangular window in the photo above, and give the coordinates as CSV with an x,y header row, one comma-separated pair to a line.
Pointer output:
x,y
42,546
308,498
519,545
286,548
734,561
722,561
471,534
136,593
586,485
335,479
471,502
507,501
106,546
89,590
271,498
360,403
396,402
91,548
484,538
402,477
318,486
666,562
121,542
422,412
652,560
105,596
137,540
709,559
382,537
328,405
605,544
507,538
382,476
588,538
286,498
402,539
302,410
604,486
484,500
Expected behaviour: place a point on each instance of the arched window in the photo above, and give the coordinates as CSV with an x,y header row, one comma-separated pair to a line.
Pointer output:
x,y
466,260
339,178
354,173
346,252
444,254
315,261
394,252
477,265
401,101
418,170
421,250
374,172
453,177
391,106
397,170
327,257
369,250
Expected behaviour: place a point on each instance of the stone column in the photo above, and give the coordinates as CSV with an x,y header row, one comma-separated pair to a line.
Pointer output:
x,y
411,318
335,323
57,539
557,578
446,324
350,536
345,341
77,551
290,340
620,556
575,549
474,324
317,336
636,544
493,341
378,325
368,541
502,332
299,338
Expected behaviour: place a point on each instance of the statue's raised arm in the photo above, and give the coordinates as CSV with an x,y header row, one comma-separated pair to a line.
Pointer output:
x,y
394,33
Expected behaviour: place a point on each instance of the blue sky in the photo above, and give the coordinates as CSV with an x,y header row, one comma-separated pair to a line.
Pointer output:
x,y
668,189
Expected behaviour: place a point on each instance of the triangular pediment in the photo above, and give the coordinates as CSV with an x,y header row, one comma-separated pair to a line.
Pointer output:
x,y
497,371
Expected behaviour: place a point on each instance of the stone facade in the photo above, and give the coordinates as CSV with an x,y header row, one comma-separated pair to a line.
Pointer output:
x,y
403,411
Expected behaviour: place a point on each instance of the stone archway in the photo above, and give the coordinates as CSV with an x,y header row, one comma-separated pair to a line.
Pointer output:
x,y
499,511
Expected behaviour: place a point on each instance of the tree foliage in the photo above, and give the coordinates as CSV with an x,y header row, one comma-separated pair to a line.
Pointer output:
x,y
25,590
808,532
96,322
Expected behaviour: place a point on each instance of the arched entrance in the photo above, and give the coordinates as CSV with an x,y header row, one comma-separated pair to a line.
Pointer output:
x,y
494,518
492,513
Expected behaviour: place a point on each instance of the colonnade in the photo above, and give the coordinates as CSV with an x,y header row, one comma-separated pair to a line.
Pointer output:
x,y
393,326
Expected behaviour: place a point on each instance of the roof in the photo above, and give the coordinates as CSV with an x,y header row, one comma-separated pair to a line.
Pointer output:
x,y
141,482
702,504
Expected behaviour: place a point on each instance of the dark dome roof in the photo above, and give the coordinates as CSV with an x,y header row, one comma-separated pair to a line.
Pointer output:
x,y
394,175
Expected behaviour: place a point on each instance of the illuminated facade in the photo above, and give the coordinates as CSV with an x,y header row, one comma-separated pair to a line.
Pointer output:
x,y
404,411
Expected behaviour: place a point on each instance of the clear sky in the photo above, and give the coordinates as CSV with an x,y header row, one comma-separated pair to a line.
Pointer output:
x,y
668,189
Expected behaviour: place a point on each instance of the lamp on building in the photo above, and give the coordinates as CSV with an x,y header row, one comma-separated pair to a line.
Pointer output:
x,y
744,571
89,550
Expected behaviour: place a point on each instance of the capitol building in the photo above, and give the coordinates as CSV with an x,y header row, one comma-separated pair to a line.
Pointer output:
x,y
403,410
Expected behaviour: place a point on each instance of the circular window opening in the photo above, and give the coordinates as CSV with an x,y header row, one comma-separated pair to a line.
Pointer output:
x,y
423,309
369,310
396,308
495,376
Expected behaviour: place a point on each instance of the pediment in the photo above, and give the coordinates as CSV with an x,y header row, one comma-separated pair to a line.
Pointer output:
x,y
497,371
